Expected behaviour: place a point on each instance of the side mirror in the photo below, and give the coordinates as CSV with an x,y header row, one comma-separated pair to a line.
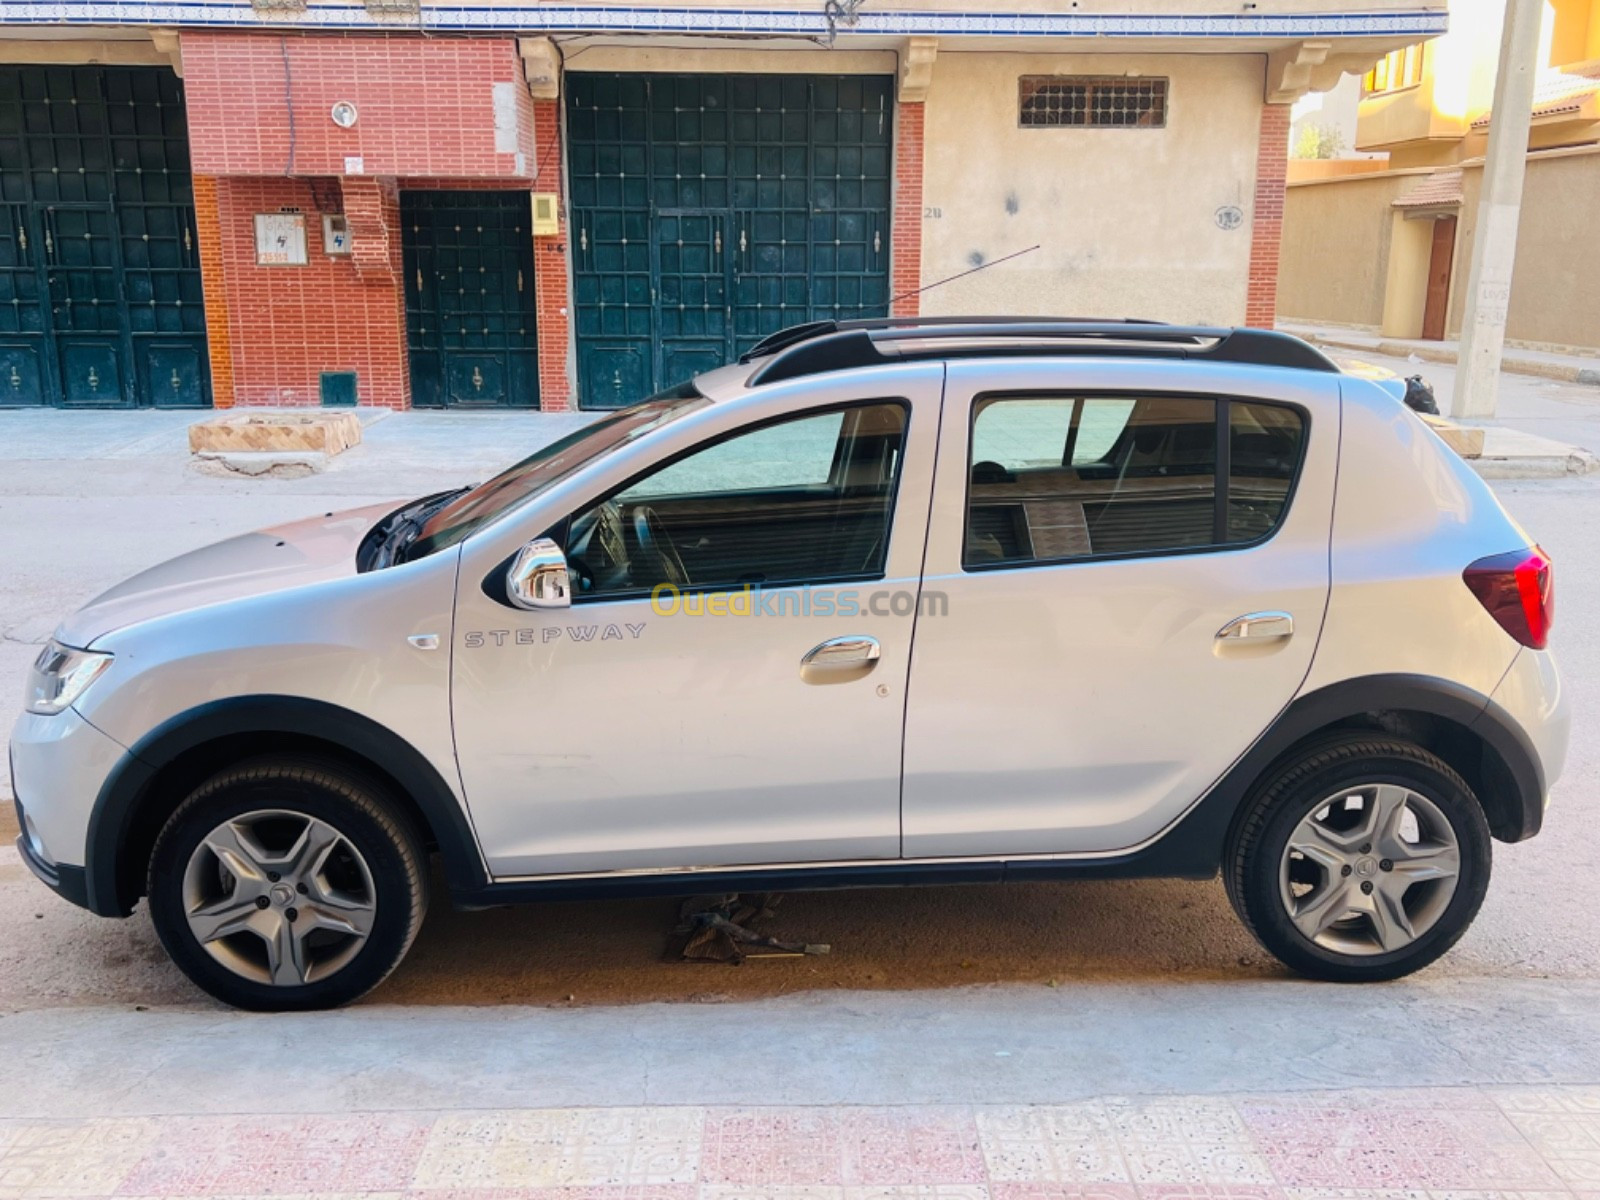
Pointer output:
x,y
538,576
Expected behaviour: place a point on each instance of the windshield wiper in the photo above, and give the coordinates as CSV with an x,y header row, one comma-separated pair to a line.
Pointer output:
x,y
399,529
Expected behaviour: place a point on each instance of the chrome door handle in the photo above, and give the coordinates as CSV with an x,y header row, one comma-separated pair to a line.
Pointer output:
x,y
1257,626
840,659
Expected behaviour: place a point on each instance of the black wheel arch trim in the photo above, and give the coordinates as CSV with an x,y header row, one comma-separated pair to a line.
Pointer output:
x,y
1191,848
124,789
1478,714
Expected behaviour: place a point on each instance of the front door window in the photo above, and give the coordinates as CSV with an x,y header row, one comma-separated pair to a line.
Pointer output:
x,y
801,501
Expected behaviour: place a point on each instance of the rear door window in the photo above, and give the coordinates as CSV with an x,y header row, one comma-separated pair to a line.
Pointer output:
x,y
1063,477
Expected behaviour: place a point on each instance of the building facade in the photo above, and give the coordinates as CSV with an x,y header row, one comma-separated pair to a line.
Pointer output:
x,y
486,204
1385,244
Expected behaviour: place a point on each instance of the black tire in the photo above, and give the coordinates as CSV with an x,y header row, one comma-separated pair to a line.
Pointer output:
x,y
357,808
1295,788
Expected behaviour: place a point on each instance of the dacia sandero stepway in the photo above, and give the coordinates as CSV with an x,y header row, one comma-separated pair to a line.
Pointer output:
x,y
885,602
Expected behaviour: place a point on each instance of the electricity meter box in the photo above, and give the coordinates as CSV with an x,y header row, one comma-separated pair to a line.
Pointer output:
x,y
335,234
546,223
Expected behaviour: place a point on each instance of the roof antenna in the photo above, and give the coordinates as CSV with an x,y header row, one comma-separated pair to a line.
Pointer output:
x,y
993,262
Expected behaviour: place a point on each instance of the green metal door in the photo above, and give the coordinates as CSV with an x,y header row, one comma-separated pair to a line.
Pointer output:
x,y
709,211
100,300
469,299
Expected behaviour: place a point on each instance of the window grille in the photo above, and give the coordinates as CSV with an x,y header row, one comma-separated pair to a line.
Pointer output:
x,y
1092,101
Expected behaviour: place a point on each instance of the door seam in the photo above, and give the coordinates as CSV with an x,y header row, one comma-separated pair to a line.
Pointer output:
x,y
916,608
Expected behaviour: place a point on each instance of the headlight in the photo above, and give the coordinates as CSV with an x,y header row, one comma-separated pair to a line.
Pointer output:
x,y
59,676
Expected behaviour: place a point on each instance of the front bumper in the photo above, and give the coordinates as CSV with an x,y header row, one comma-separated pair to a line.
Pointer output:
x,y
59,764
70,883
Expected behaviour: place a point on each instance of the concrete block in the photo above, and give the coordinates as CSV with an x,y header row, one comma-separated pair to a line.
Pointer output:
x,y
317,432
1464,440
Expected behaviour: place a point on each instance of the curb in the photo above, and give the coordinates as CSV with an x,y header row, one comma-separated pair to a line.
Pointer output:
x,y
1562,372
1537,466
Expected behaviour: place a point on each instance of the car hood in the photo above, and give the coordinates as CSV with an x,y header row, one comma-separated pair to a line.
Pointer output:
x,y
268,560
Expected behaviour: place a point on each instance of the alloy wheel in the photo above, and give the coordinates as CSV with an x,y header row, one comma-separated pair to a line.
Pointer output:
x,y
1370,869
279,897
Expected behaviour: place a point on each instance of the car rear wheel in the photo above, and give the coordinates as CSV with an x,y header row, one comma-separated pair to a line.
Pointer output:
x,y
287,883
1364,859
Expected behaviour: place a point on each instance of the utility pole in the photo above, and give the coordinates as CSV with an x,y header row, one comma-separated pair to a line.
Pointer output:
x,y
1494,243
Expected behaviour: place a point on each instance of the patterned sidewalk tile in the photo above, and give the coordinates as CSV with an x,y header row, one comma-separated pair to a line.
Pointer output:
x,y
1339,1143
1063,1191
895,1148
662,1191
770,1191
764,1148
1189,1141
1442,1144
1568,1099
72,1158
920,1191
545,1148
1569,1141
212,1156
1070,1143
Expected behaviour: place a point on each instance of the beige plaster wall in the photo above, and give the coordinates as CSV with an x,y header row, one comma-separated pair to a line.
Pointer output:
x,y
1126,219
1336,249
1553,291
1336,252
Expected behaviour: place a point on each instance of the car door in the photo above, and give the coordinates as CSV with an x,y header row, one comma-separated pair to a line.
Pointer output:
x,y
728,685
1098,531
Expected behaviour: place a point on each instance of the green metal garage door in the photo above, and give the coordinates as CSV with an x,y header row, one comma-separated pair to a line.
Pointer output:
x,y
711,210
100,301
470,327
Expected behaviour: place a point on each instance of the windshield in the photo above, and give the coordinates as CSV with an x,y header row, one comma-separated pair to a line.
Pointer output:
x,y
472,510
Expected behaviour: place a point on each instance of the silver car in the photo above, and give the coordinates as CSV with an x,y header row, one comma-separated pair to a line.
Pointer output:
x,y
884,603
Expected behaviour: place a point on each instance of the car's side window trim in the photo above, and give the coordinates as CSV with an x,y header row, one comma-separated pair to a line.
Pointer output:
x,y
1224,406
901,402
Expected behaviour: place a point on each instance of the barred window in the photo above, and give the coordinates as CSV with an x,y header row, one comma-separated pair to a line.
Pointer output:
x,y
1098,101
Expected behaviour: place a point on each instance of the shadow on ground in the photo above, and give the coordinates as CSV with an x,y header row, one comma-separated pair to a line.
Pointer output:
x,y
615,952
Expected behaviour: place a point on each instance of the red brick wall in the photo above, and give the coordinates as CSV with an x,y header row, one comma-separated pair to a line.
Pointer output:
x,y
213,288
905,243
1266,233
289,324
550,270
426,105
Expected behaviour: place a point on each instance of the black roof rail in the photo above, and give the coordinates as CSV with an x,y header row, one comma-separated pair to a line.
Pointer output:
x,y
786,337
833,346
793,334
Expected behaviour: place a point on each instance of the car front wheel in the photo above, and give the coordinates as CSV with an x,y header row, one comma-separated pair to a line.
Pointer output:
x,y
1364,859
287,883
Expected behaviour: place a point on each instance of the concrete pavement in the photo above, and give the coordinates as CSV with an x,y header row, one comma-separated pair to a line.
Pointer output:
x,y
996,1043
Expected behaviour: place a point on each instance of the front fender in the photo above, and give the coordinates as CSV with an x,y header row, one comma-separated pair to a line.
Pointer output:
x,y
127,801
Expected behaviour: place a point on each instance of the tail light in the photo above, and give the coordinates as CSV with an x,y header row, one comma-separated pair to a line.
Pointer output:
x,y
1519,591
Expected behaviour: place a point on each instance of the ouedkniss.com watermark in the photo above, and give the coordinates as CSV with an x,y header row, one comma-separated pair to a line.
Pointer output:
x,y
755,601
